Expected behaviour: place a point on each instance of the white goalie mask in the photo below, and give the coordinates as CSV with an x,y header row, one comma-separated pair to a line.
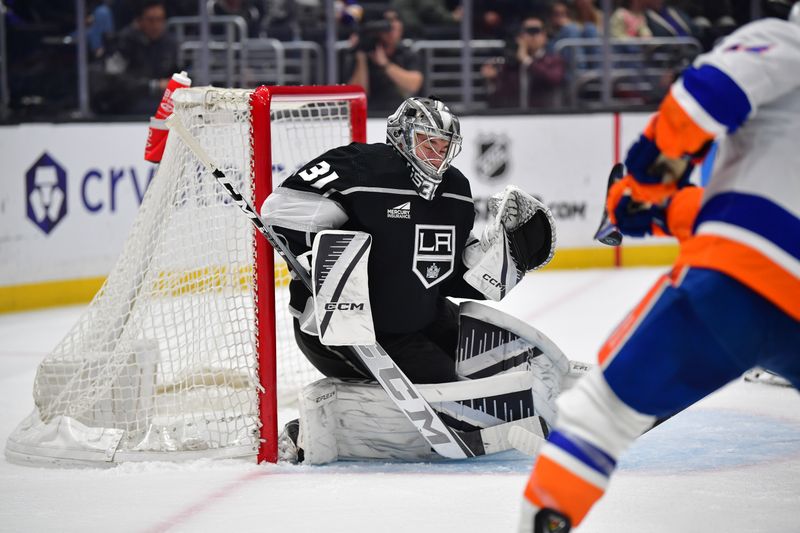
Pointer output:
x,y
428,136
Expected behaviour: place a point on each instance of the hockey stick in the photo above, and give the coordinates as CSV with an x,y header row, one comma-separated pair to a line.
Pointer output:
x,y
501,437
446,441
608,233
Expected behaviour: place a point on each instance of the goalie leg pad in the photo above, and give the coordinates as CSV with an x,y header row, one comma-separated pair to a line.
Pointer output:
x,y
491,342
348,420
357,421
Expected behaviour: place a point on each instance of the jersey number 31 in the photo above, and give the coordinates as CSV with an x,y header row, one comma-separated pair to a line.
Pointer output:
x,y
319,175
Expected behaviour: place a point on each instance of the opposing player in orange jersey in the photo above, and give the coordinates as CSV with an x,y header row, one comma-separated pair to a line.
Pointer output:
x,y
732,299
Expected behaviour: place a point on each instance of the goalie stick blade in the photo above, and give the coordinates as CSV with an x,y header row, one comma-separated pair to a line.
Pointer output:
x,y
607,233
497,439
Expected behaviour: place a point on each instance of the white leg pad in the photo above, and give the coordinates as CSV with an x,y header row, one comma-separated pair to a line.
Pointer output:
x,y
341,420
348,420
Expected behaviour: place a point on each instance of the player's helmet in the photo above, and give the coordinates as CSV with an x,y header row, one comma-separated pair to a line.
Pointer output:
x,y
420,127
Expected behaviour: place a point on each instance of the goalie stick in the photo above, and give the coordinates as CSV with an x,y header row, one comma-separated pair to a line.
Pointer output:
x,y
445,441
608,233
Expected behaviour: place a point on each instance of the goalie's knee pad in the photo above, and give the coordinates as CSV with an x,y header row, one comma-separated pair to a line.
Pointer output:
x,y
491,342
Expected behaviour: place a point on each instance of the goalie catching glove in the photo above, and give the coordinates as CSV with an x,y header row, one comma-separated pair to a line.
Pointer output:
x,y
520,237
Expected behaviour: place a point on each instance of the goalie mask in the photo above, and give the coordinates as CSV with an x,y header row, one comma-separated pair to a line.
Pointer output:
x,y
428,136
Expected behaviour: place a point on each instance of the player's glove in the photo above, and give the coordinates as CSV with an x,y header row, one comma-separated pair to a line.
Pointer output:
x,y
635,209
637,219
649,166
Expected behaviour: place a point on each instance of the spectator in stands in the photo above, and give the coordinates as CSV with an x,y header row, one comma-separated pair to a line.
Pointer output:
x,y
41,65
426,19
667,21
588,17
528,57
388,70
348,15
714,19
629,20
247,9
137,70
281,21
494,19
561,26
99,26
289,20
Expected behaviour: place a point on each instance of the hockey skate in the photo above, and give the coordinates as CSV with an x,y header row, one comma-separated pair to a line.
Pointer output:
x,y
544,520
550,521
288,451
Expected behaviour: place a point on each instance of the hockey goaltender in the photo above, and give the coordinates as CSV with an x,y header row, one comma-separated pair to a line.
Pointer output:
x,y
386,232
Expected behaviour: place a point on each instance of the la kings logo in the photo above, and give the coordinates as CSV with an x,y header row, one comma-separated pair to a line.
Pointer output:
x,y
400,211
434,253
493,155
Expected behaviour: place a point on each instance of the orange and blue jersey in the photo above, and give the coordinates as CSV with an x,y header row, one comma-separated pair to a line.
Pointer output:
x,y
746,93
733,299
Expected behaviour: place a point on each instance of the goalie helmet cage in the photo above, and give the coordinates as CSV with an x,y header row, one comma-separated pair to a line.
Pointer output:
x,y
187,347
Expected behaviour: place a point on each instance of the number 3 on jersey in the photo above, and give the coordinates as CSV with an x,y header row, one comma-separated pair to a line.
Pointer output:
x,y
321,172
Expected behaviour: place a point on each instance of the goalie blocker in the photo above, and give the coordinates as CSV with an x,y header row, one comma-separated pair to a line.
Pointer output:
x,y
341,289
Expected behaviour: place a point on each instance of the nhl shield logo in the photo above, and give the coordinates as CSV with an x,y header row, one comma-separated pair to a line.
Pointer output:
x,y
434,253
493,155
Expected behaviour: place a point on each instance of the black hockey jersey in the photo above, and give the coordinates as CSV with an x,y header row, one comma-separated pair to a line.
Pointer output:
x,y
417,244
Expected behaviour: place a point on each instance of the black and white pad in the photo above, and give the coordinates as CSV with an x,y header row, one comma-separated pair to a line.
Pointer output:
x,y
341,420
491,342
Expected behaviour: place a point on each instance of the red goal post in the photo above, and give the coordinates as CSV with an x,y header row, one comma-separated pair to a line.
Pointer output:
x,y
261,103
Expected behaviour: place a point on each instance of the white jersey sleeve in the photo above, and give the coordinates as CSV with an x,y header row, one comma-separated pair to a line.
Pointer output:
x,y
755,65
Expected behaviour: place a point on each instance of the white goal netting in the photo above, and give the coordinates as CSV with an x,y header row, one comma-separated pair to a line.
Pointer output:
x,y
164,362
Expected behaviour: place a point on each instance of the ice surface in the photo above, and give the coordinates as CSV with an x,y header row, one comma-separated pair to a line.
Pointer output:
x,y
730,463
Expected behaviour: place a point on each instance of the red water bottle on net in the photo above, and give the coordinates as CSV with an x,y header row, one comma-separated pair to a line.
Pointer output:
x,y
157,134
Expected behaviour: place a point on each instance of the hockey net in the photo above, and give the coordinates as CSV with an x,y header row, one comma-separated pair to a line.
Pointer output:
x,y
177,357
